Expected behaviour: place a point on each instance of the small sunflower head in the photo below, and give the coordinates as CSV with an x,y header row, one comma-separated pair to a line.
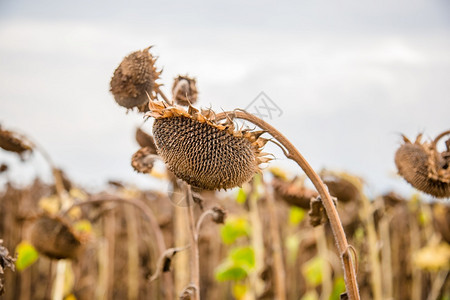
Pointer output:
x,y
342,186
204,153
53,237
293,192
134,80
424,167
143,160
13,142
184,90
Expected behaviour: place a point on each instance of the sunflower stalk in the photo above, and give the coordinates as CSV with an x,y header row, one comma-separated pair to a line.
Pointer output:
x,y
195,263
168,283
338,231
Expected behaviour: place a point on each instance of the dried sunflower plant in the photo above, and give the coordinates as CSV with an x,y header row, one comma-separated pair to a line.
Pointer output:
x,y
207,151
423,166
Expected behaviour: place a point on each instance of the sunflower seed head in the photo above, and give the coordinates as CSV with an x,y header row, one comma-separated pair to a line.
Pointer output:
x,y
13,142
293,193
143,160
424,167
134,80
53,237
205,154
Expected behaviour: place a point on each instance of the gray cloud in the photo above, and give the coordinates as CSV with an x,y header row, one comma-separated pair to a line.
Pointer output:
x,y
348,78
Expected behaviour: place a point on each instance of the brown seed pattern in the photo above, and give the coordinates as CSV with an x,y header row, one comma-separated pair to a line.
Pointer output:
x,y
204,154
424,167
134,78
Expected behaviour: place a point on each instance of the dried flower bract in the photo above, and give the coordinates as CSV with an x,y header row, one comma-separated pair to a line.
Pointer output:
x,y
202,152
184,90
145,140
134,80
424,167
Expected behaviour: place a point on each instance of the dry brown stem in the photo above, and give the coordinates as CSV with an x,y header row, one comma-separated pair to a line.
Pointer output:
x,y
195,264
153,223
335,223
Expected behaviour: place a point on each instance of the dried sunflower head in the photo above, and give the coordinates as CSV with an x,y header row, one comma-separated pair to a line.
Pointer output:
x,y
143,160
13,142
53,237
184,90
134,80
293,192
204,153
341,187
424,167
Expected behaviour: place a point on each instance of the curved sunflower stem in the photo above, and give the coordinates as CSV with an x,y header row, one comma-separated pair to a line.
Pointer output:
x,y
335,222
158,90
440,136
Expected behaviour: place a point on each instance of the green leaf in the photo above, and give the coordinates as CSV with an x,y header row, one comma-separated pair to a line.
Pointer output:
x,y
338,288
229,271
312,270
26,255
241,196
296,215
233,229
243,256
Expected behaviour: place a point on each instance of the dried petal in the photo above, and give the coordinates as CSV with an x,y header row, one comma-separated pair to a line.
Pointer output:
x,y
184,90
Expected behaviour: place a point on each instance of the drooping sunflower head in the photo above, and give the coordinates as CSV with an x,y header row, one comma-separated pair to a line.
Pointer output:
x,y
134,80
13,142
204,153
55,238
424,167
293,192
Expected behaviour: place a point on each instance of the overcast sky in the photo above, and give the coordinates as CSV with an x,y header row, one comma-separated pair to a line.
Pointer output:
x,y
349,76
